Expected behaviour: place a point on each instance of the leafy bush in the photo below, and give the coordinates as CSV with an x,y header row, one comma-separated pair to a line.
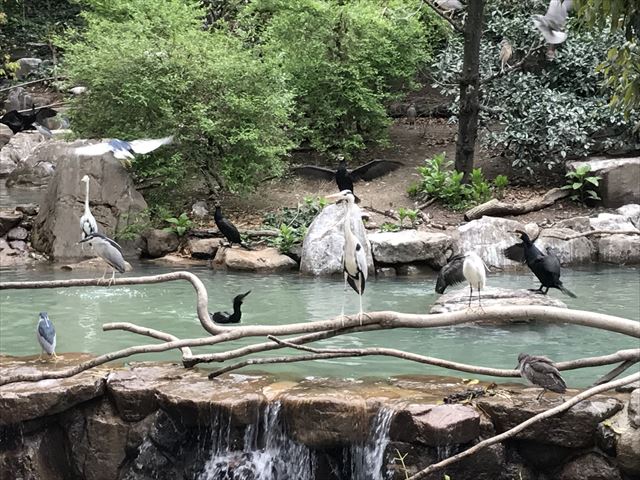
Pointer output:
x,y
412,215
390,227
292,223
179,225
438,181
152,70
581,184
500,184
550,109
343,60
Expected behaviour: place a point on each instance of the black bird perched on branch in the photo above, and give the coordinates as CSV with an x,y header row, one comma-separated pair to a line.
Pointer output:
x,y
345,178
542,372
228,229
18,122
226,317
545,267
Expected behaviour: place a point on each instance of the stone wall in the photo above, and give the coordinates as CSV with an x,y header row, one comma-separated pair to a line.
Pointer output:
x,y
161,421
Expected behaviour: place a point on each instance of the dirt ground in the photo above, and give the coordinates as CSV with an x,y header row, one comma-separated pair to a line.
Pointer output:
x,y
410,146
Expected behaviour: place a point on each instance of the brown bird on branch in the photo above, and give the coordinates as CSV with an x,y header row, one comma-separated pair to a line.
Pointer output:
x,y
506,51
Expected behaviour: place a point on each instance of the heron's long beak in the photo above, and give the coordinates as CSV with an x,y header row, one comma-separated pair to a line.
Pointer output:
x,y
336,197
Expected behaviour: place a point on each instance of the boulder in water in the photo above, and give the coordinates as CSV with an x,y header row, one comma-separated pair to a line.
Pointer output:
x,y
457,300
488,237
267,259
412,246
17,150
324,243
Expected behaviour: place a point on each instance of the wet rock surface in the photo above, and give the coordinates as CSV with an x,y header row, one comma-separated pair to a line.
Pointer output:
x,y
412,246
161,421
620,179
160,242
456,300
266,259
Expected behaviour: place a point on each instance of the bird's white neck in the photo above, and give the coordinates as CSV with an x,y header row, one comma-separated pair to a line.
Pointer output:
x,y
86,197
347,220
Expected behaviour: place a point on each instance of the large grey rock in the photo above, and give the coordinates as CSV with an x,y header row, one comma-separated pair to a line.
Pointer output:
x,y
631,212
204,248
17,233
578,224
610,221
457,300
5,134
488,237
17,150
412,246
570,252
620,179
449,425
113,198
26,66
633,408
199,211
8,220
267,259
591,466
620,436
619,249
324,243
38,167
161,242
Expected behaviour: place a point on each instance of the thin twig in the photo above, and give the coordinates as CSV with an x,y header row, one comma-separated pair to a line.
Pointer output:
x,y
563,407
56,104
149,332
386,214
456,26
28,83
426,204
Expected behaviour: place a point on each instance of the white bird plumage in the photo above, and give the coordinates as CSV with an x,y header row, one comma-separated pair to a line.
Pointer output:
x,y
354,258
474,270
124,150
552,22
88,224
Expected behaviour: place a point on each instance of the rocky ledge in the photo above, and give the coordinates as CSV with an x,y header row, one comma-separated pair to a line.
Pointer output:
x,y
162,421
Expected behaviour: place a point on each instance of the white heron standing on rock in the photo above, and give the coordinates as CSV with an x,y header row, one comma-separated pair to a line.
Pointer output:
x,y
88,223
354,259
469,267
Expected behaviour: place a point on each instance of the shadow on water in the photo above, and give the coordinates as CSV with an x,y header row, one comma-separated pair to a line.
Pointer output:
x,y
78,314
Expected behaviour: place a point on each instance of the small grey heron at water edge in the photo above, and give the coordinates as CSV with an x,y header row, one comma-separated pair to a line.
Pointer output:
x,y
108,250
46,335
88,224
354,259
541,372
469,267
226,317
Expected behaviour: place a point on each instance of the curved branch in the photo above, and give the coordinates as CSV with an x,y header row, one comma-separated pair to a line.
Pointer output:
x,y
149,332
632,354
594,232
520,427
201,291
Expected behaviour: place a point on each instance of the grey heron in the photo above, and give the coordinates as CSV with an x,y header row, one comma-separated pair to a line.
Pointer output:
x,y
226,317
88,224
354,259
545,267
108,250
124,150
542,372
46,335
506,51
552,22
411,115
469,267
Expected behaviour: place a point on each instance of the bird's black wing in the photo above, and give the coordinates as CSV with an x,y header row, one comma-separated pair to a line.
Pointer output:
x,y
515,252
548,376
45,112
315,173
229,230
450,274
13,120
220,317
357,282
375,169
47,331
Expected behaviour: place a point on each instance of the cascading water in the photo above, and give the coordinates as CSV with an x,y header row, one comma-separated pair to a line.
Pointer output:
x,y
278,458
366,460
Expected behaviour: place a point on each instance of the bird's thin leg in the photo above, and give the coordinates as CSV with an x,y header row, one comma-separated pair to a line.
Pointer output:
x,y
539,397
470,295
479,301
360,314
344,297
113,277
40,356
546,291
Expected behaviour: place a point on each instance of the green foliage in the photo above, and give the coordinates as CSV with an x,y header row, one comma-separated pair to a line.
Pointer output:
x,y
581,184
390,227
438,181
287,238
500,183
292,223
344,61
551,109
152,71
412,215
179,225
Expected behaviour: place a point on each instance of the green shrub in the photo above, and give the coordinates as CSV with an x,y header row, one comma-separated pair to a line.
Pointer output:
x,y
292,223
500,184
412,215
439,182
343,60
179,225
581,184
153,71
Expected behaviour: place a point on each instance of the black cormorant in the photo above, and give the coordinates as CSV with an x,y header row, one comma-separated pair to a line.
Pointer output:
x,y
18,122
226,317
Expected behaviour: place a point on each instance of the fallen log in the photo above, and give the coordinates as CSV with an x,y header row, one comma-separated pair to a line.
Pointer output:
x,y
496,208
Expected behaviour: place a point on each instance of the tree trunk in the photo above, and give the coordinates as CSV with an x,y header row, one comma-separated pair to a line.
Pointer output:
x,y
469,89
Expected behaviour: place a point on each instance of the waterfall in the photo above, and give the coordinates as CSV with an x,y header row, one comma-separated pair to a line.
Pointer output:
x,y
367,459
274,456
